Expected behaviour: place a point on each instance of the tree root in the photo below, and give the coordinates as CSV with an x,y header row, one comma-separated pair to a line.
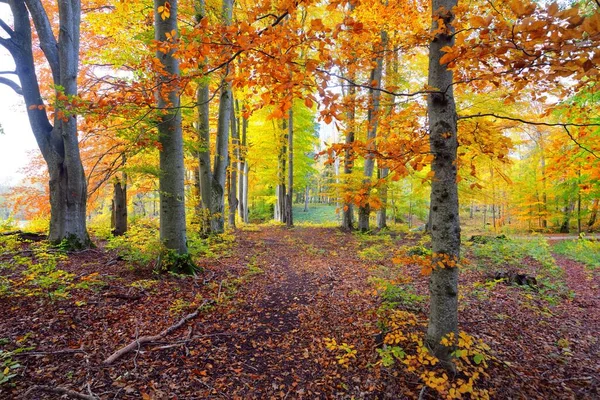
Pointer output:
x,y
147,339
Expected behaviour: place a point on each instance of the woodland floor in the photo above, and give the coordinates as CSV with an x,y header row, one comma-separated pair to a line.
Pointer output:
x,y
277,294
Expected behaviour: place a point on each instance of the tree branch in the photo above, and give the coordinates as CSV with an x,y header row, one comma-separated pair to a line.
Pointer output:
x,y
395,94
12,84
565,126
523,121
6,28
48,42
58,390
146,339
579,144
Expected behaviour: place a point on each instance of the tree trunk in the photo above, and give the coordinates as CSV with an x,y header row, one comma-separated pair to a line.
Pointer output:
x,y
172,172
306,194
281,175
289,210
242,177
373,119
593,215
212,182
382,212
119,206
217,195
565,227
233,169
58,143
445,225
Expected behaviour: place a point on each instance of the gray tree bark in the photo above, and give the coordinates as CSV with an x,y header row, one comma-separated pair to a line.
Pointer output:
x,y
364,212
212,182
289,210
382,212
172,172
233,170
348,211
119,206
217,195
280,190
444,219
57,141
243,172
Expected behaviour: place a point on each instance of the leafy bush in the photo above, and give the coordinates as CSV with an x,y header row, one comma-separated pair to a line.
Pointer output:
x,y
261,212
141,243
39,224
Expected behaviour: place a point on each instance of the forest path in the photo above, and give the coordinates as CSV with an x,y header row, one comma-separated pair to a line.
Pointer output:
x,y
306,286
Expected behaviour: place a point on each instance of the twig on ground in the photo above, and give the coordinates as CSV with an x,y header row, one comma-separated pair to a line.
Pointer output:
x,y
136,344
58,390
46,353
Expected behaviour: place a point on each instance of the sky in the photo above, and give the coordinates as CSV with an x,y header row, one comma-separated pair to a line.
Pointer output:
x,y
17,142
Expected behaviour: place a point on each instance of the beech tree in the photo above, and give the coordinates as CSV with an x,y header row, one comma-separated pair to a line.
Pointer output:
x,y
212,181
445,224
172,173
57,140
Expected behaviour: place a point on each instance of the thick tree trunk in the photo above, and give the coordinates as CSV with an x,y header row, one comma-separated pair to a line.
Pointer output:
x,y
364,211
204,164
217,202
289,210
119,207
445,225
58,143
172,172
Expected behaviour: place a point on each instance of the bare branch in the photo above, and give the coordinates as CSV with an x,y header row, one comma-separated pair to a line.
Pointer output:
x,y
48,41
523,121
12,84
58,390
6,28
564,125
8,72
147,339
579,144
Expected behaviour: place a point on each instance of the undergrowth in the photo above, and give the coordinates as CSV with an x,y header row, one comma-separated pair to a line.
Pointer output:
x,y
584,250
505,254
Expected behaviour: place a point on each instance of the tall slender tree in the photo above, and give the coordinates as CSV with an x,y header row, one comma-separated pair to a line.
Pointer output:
x,y
364,210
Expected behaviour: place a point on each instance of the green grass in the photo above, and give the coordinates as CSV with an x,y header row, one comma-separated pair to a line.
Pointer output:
x,y
316,214
582,250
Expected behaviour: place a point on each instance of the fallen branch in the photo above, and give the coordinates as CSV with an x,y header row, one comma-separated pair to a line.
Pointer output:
x,y
147,339
34,237
58,390
46,353
122,296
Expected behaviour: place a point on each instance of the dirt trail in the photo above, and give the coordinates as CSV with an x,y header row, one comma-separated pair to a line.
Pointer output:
x,y
299,296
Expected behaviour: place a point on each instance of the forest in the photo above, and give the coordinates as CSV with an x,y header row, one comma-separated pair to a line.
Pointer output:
x,y
298,199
